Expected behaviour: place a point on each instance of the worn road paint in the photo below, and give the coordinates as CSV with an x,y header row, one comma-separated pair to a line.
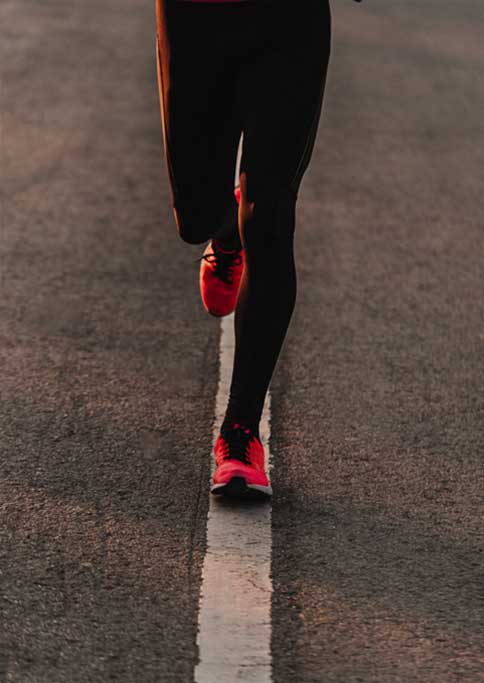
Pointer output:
x,y
235,605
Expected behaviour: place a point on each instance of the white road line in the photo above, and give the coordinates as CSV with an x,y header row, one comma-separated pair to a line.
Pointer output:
x,y
234,637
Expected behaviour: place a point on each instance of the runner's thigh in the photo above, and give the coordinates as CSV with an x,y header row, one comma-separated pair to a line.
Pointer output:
x,y
281,92
201,124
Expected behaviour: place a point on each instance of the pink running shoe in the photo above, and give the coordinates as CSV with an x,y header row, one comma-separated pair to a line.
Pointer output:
x,y
240,462
220,274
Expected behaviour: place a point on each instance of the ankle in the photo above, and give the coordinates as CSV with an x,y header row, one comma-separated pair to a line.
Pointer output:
x,y
228,424
226,245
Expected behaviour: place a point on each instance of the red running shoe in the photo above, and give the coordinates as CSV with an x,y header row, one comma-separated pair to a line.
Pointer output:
x,y
220,274
240,462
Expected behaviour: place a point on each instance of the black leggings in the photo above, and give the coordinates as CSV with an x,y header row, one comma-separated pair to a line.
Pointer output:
x,y
257,67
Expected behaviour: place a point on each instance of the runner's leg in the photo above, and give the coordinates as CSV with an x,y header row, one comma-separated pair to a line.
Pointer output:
x,y
201,127
281,93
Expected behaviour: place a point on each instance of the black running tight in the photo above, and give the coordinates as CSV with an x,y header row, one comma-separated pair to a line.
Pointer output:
x,y
257,67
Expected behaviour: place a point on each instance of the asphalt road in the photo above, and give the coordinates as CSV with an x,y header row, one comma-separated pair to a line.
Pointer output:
x,y
109,363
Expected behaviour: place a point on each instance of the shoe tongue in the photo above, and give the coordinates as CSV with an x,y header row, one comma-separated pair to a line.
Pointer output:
x,y
238,437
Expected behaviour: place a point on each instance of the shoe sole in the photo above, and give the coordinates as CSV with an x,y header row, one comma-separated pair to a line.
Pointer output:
x,y
218,315
238,488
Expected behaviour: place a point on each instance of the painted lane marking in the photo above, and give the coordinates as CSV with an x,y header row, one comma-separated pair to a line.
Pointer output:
x,y
234,636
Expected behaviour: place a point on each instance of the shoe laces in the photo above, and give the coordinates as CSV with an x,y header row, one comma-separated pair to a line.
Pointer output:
x,y
236,443
223,263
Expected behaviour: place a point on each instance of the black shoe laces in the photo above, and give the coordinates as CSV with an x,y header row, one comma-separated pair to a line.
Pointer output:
x,y
224,263
237,443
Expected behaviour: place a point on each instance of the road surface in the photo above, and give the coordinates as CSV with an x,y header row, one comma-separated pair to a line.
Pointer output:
x,y
109,363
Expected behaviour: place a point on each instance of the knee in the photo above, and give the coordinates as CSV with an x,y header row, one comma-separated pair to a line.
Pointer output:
x,y
193,227
267,214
